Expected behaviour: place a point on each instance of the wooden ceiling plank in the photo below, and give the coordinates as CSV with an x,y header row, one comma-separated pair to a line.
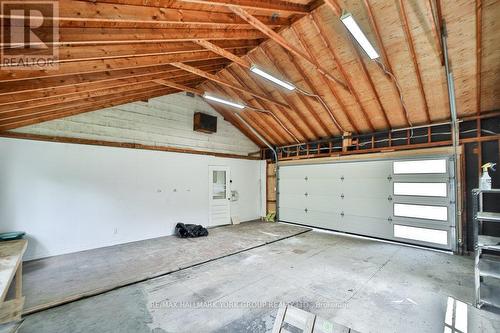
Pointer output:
x,y
99,36
372,85
71,111
260,5
119,51
256,124
310,87
76,96
268,108
284,112
222,52
223,82
385,58
104,66
94,97
332,88
39,89
70,10
306,101
303,115
411,46
179,86
281,41
322,33
264,120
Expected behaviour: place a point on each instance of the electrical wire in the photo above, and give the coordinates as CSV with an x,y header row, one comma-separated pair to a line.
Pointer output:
x,y
321,100
398,87
275,118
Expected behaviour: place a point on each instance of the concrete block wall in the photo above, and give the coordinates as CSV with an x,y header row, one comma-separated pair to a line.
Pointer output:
x,y
162,121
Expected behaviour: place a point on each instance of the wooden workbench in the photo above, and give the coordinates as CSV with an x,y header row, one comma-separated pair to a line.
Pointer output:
x,y
11,265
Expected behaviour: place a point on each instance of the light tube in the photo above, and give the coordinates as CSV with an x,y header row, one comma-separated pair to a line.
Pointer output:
x,y
223,101
358,34
271,78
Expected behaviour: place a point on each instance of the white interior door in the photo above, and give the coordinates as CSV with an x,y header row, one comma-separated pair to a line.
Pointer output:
x,y
219,195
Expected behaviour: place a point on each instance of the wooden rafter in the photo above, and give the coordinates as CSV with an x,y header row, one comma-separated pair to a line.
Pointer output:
x,y
385,57
255,122
222,52
333,52
260,5
436,30
284,113
411,46
223,82
179,86
281,41
301,114
263,106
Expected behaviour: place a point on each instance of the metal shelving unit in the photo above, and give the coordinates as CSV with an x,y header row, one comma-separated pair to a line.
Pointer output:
x,y
486,266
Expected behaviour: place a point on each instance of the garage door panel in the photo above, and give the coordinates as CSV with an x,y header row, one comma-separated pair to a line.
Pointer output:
x,y
364,225
376,207
358,197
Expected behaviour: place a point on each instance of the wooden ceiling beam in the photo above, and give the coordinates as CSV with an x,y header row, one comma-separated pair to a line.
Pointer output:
x,y
371,84
385,58
264,118
302,115
281,41
311,88
328,83
413,54
306,101
42,88
71,110
332,50
255,123
91,52
92,97
97,11
222,52
306,47
99,36
223,82
179,86
106,65
76,96
436,30
258,121
267,107
259,5
283,112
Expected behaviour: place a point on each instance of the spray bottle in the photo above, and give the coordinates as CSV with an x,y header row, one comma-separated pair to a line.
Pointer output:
x,y
485,180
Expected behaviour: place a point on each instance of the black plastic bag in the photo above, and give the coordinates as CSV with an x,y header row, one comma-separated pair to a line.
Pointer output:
x,y
190,230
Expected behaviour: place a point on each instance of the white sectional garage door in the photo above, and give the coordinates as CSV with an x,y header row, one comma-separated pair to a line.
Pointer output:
x,y
410,201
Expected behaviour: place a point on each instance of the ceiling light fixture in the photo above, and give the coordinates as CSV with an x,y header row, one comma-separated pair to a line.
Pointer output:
x,y
223,101
284,84
358,34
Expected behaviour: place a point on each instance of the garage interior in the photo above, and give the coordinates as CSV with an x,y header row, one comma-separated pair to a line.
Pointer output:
x,y
341,155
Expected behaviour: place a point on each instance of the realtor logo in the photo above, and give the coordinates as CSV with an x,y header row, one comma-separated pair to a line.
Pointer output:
x,y
29,35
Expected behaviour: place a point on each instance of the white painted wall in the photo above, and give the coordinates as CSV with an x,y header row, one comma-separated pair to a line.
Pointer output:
x,y
162,121
71,197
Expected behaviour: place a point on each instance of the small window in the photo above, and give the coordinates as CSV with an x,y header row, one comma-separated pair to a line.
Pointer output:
x,y
219,184
421,189
421,234
421,211
422,166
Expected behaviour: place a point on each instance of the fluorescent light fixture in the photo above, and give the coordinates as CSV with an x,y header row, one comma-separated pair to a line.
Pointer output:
x,y
358,34
271,78
223,101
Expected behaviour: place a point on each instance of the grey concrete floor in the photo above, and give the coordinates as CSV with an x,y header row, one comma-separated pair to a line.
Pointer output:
x,y
363,284
59,279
